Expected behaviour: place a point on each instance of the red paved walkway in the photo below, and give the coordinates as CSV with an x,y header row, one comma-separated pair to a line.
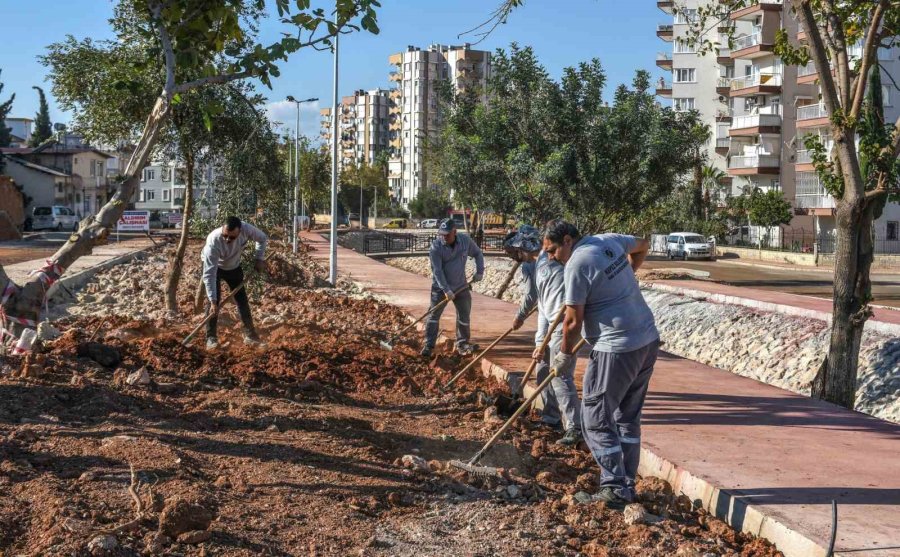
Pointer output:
x,y
768,460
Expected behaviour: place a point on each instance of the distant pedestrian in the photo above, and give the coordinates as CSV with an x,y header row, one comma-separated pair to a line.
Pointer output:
x,y
448,255
543,287
603,297
221,258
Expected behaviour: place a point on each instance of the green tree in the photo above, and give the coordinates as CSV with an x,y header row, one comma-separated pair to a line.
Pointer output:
x,y
195,45
769,208
315,176
5,108
431,203
43,129
861,175
368,178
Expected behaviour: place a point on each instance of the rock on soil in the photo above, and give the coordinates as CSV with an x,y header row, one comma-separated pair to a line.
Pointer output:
x,y
180,516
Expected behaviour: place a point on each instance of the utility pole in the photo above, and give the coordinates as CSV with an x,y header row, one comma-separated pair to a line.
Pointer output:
x,y
332,260
359,178
295,177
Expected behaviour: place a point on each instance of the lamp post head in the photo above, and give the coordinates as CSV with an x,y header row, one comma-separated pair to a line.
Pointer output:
x,y
291,98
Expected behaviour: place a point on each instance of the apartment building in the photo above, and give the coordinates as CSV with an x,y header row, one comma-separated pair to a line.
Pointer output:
x,y
414,115
760,108
363,126
162,188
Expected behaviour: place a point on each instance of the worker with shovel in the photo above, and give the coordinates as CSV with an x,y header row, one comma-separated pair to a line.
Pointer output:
x,y
448,255
603,296
221,258
543,287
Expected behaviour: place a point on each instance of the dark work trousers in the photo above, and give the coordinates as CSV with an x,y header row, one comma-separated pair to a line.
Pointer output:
x,y
233,278
463,304
615,385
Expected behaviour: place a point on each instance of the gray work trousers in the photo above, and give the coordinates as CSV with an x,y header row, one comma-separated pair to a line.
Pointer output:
x,y
615,385
463,304
560,398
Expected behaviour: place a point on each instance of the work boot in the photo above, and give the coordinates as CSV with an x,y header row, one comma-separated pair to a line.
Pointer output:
x,y
465,349
251,339
212,343
427,352
571,438
612,499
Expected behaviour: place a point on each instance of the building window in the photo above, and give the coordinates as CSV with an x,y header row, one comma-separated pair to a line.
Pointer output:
x,y
685,75
149,195
893,230
683,104
886,93
149,174
686,16
682,47
166,195
166,174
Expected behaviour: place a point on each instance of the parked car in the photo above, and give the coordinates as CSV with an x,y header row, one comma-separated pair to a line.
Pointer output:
x,y
428,223
688,245
396,223
53,218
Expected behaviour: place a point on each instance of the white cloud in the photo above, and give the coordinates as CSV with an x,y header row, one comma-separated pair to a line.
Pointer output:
x,y
285,112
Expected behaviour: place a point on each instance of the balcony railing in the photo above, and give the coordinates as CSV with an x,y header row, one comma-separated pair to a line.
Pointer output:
x,y
811,112
723,82
755,121
723,142
754,161
804,156
663,57
756,80
664,28
746,41
808,69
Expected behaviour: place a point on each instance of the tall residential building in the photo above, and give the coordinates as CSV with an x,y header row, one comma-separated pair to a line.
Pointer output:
x,y
760,108
415,115
363,124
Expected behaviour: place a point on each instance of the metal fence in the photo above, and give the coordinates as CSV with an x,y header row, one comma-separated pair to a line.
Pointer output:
x,y
385,243
799,240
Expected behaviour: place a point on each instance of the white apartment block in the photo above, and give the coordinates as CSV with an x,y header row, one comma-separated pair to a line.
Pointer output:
x,y
760,108
415,115
162,187
363,124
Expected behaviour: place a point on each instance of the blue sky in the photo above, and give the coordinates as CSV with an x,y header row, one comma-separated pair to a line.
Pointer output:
x,y
620,33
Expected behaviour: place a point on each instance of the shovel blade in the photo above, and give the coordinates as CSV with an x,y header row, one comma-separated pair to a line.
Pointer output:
x,y
386,345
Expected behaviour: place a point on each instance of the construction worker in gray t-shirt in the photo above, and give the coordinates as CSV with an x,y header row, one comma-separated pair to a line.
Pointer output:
x,y
605,305
448,256
543,287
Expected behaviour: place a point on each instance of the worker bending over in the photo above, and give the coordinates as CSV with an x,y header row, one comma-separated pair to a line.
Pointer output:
x,y
448,254
603,296
543,287
221,258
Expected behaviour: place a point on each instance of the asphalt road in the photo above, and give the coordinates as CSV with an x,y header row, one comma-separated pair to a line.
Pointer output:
x,y
885,287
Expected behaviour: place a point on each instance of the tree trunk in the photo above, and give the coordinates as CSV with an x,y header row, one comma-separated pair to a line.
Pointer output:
x,y
836,381
506,282
26,302
697,193
178,260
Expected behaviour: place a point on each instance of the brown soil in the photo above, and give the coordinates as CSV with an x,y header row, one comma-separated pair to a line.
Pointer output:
x,y
294,448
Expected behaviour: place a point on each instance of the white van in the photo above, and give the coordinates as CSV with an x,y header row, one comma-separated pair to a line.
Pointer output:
x,y
688,245
53,218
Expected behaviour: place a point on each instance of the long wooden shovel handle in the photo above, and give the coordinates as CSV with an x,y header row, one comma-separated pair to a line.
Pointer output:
x,y
544,343
480,356
520,410
431,310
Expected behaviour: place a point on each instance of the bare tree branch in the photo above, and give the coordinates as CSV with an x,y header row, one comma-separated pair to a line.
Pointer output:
x,y
841,60
869,54
211,80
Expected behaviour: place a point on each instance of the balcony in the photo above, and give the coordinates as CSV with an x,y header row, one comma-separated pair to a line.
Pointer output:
x,y
807,73
723,115
664,89
395,76
755,45
811,196
665,5
664,61
752,165
723,86
723,56
754,124
756,84
756,8
812,116
722,145
665,32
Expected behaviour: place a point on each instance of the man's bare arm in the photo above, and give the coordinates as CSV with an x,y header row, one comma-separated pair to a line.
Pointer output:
x,y
571,327
639,252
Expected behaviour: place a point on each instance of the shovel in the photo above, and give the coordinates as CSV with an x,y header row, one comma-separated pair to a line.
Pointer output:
x,y
480,356
506,405
471,466
389,344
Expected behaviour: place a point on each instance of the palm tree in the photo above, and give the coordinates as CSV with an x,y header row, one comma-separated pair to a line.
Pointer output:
x,y
711,178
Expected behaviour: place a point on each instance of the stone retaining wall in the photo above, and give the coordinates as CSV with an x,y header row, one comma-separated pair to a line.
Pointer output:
x,y
781,350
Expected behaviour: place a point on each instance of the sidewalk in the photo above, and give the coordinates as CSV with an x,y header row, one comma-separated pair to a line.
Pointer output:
x,y
766,460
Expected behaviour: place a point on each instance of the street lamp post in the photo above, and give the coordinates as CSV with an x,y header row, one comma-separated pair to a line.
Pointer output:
x,y
296,177
332,259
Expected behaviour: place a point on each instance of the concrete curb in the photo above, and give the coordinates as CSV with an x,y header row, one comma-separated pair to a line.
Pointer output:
x,y
78,279
889,329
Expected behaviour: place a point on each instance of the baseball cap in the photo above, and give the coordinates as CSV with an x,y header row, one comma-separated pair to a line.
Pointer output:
x,y
447,226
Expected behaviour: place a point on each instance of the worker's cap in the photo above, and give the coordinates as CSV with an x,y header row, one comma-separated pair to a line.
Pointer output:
x,y
526,238
447,226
